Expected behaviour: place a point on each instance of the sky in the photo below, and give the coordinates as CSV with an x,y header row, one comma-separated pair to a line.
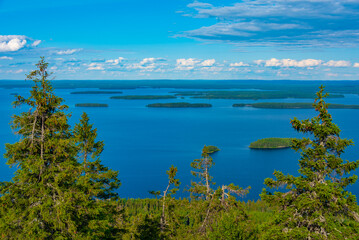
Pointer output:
x,y
181,39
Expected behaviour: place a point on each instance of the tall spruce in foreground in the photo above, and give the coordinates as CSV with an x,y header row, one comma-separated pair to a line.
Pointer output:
x,y
317,206
54,194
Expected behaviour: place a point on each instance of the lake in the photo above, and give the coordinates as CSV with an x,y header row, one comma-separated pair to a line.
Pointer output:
x,y
142,143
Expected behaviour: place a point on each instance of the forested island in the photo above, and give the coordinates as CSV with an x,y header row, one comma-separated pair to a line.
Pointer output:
x,y
91,105
273,105
143,97
62,190
271,143
97,92
179,105
254,95
212,149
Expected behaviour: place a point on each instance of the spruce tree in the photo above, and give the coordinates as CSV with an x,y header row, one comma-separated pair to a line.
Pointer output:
x,y
54,194
317,205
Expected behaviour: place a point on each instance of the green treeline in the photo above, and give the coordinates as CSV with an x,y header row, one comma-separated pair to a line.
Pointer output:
x,y
91,105
61,189
271,143
255,95
143,97
292,105
179,105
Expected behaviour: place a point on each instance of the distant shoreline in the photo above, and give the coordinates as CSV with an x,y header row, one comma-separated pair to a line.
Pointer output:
x,y
292,105
179,105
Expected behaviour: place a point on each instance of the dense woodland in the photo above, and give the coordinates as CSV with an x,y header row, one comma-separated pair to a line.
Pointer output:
x,y
61,190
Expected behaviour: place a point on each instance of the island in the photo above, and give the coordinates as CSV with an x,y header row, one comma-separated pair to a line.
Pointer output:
x,y
179,105
250,94
212,149
276,105
143,97
97,92
271,143
91,105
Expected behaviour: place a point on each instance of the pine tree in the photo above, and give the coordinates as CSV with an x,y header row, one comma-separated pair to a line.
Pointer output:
x,y
53,195
172,181
212,202
202,166
317,206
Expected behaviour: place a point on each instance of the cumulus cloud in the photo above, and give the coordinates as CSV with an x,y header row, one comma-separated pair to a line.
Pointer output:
x,y
278,22
340,63
95,66
239,64
115,61
12,43
356,65
148,64
207,63
274,62
186,64
68,51
6,58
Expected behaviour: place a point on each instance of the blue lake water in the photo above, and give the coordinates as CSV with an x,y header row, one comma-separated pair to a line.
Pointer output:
x,y
142,143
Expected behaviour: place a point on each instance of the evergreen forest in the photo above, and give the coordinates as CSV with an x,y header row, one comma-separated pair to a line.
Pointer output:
x,y
61,189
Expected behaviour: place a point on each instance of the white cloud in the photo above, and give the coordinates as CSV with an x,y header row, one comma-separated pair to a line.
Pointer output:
x,y
274,62
16,71
340,63
68,51
35,43
148,61
95,66
356,65
186,64
239,64
148,64
12,43
278,22
6,58
115,61
207,63
332,74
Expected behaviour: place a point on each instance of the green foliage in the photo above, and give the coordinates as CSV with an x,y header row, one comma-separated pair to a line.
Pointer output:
x,y
212,149
54,194
234,224
202,166
179,105
317,206
273,105
272,143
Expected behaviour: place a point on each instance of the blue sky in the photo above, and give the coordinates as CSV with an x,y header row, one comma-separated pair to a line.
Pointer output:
x,y
182,39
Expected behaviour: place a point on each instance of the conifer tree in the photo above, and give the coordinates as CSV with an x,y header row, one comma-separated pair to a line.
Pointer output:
x,y
172,181
202,166
50,196
317,206
212,201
